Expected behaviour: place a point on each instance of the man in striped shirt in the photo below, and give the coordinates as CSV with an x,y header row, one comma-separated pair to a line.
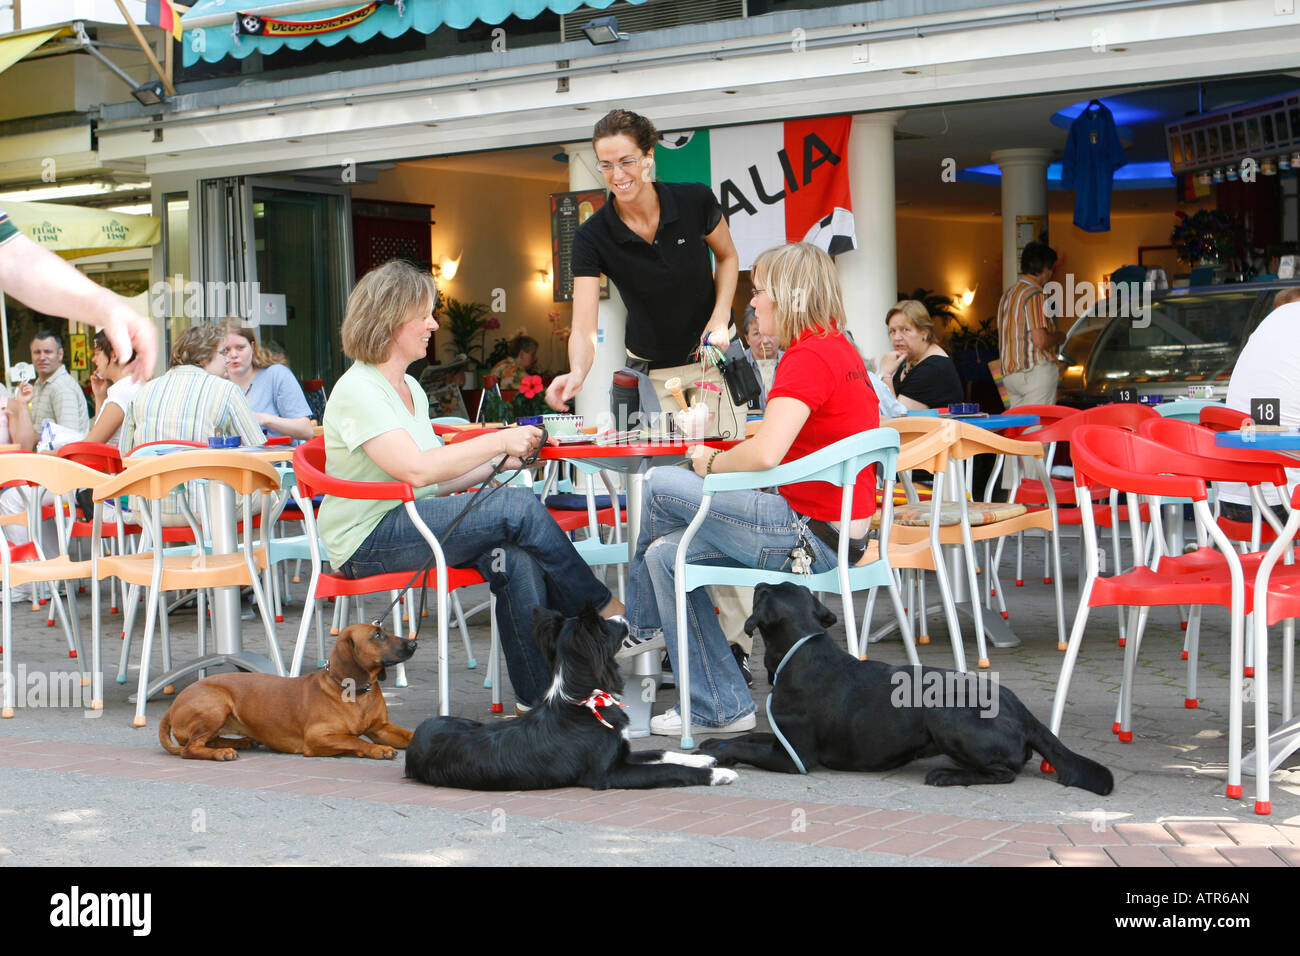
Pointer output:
x,y
57,397
1027,338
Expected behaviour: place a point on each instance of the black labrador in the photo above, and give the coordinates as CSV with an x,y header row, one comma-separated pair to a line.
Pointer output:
x,y
847,714
576,736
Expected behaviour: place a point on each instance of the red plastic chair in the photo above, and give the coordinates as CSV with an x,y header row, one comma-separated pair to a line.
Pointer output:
x,y
310,480
1137,465
1220,418
1277,598
1030,492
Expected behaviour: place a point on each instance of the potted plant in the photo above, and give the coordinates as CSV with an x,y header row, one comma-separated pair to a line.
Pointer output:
x,y
469,323
1208,237
529,400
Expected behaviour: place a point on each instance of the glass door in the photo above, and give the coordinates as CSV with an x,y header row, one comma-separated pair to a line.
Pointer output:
x,y
302,250
279,255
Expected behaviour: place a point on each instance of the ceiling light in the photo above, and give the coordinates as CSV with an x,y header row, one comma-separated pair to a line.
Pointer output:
x,y
603,30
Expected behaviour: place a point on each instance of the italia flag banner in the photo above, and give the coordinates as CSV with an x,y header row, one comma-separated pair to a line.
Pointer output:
x,y
776,182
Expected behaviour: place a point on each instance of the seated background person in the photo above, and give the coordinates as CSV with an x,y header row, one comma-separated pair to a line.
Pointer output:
x,y
918,370
521,355
821,395
377,429
57,396
193,400
273,393
114,391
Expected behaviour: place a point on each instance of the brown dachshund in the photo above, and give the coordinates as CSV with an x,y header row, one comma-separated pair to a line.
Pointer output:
x,y
323,714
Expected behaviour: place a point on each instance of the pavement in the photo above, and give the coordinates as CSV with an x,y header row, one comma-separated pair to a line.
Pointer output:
x,y
84,790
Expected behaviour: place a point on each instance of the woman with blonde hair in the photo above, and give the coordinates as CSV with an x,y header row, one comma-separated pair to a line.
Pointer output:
x,y
377,428
918,370
821,395
276,397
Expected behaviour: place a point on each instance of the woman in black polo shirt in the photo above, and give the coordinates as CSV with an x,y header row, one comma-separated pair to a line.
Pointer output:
x,y
653,241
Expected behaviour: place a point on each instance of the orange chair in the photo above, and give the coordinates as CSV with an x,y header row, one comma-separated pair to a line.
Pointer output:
x,y
26,564
991,518
150,481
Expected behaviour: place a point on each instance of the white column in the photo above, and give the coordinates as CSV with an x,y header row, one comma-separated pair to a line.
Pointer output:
x,y
869,274
593,400
1024,193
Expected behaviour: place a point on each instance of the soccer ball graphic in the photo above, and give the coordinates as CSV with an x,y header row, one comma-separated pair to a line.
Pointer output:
x,y
834,233
675,140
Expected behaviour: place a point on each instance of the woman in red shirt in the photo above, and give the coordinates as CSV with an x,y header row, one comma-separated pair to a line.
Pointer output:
x,y
821,394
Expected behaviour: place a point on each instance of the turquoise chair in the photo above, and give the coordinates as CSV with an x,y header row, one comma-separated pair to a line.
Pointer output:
x,y
837,464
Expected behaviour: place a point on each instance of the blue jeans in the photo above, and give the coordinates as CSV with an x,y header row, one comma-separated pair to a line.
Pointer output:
x,y
744,529
521,552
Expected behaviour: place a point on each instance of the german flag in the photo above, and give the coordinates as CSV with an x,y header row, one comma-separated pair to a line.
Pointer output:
x,y
160,13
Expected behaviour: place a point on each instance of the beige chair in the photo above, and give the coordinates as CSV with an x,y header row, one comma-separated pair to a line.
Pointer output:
x,y
964,522
925,448
150,481
61,479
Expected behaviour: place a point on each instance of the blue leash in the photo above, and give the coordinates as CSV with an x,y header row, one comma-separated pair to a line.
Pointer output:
x,y
772,720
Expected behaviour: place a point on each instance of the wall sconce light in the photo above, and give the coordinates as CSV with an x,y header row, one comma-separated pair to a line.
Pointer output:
x,y
967,297
603,30
544,276
447,267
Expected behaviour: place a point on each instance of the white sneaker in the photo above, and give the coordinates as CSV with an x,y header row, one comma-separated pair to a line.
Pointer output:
x,y
631,646
669,724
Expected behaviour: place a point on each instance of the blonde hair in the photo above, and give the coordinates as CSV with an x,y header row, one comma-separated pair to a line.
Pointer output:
x,y
197,344
918,315
804,287
379,304
261,358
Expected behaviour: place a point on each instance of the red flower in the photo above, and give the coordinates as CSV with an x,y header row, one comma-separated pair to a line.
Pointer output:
x,y
531,386
492,323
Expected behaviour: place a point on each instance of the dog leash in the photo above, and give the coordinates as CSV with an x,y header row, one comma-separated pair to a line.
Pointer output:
x,y
424,571
772,720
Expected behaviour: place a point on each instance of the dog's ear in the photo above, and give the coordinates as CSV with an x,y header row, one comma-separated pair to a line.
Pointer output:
x,y
824,616
546,632
345,661
751,624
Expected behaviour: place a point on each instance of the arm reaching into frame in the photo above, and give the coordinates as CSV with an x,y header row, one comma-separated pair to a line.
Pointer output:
x,y
44,282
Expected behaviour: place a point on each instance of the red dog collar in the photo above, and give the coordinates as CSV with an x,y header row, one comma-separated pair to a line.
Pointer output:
x,y
597,700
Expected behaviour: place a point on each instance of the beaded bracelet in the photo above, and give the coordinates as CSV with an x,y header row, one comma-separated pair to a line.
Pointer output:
x,y
708,468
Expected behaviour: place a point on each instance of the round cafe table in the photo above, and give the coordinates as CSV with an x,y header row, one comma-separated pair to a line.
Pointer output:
x,y
632,460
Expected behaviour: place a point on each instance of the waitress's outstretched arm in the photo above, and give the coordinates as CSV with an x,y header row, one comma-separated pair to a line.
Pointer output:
x,y
726,271
582,342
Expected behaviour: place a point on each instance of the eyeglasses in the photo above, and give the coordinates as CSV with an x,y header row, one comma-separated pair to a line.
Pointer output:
x,y
627,165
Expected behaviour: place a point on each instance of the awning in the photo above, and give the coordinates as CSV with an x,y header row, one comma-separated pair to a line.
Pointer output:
x,y
72,231
16,46
217,39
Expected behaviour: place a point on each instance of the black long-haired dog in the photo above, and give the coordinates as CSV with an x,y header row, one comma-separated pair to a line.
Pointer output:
x,y
576,737
846,714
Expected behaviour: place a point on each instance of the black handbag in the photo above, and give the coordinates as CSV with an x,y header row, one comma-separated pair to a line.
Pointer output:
x,y
741,381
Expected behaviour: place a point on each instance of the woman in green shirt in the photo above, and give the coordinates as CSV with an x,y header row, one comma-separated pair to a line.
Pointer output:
x,y
377,429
